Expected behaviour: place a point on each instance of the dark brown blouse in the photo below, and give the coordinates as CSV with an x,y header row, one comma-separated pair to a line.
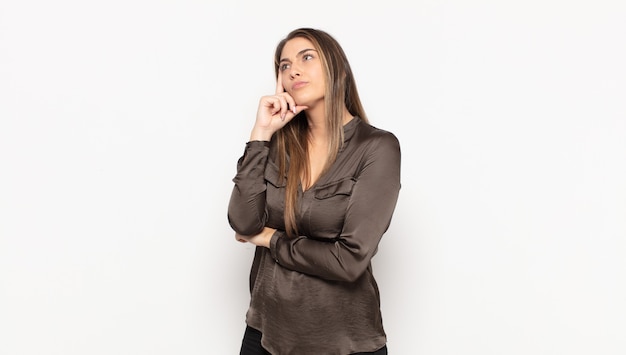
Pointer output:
x,y
316,293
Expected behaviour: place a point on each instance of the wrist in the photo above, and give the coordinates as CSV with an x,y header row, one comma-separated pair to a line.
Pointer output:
x,y
260,135
267,236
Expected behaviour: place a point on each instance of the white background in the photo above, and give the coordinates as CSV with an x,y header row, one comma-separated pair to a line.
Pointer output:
x,y
121,122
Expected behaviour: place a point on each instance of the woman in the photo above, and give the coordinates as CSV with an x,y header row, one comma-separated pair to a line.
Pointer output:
x,y
315,190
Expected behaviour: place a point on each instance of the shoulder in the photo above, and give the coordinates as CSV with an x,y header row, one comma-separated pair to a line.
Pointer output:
x,y
376,137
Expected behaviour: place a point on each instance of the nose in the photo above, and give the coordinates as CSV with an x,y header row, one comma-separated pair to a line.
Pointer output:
x,y
294,72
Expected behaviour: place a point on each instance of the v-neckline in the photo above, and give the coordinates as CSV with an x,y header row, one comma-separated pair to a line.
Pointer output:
x,y
348,131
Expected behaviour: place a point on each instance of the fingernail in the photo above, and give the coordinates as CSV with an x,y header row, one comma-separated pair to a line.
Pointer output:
x,y
294,109
282,117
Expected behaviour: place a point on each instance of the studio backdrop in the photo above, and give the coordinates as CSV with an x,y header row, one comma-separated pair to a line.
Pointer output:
x,y
121,123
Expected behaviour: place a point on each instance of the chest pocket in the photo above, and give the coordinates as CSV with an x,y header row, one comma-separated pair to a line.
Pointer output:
x,y
328,208
340,189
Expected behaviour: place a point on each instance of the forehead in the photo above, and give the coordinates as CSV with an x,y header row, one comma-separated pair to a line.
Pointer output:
x,y
294,46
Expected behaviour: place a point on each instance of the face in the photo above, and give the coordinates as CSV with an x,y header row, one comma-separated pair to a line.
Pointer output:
x,y
301,72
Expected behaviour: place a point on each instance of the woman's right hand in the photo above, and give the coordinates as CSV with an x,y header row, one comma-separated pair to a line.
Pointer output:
x,y
274,112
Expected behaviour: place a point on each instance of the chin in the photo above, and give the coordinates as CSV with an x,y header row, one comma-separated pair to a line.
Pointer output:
x,y
308,101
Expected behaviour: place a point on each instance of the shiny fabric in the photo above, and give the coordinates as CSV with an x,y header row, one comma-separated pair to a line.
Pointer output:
x,y
316,293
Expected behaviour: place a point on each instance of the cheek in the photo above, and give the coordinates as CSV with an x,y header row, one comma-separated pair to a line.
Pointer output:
x,y
321,83
321,78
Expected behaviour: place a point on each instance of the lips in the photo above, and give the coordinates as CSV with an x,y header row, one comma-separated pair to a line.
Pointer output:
x,y
298,85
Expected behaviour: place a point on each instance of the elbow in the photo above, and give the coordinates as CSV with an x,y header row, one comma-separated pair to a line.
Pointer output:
x,y
354,263
245,226
351,275
245,221
352,272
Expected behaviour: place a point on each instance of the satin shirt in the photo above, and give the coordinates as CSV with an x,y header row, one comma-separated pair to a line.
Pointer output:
x,y
316,293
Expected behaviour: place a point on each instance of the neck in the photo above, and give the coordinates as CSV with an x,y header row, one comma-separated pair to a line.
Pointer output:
x,y
316,117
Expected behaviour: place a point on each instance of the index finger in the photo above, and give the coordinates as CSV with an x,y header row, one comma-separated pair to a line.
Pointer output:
x,y
279,83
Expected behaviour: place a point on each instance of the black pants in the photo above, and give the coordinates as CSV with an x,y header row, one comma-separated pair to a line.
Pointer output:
x,y
251,345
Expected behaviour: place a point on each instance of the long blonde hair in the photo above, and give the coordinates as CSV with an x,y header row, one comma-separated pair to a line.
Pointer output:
x,y
292,140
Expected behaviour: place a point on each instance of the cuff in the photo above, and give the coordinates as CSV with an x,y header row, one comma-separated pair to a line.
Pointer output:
x,y
274,245
260,144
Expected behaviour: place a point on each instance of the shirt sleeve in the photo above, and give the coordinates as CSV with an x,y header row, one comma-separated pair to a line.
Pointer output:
x,y
368,216
246,209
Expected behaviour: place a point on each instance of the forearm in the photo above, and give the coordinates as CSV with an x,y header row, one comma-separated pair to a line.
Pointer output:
x,y
344,258
327,260
246,208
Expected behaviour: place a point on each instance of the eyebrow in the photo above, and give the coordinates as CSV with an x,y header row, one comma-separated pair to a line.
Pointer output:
x,y
297,55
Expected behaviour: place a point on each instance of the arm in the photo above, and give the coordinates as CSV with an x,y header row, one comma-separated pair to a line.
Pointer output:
x,y
369,213
246,209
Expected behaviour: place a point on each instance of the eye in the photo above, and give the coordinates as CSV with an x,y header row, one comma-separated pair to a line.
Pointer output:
x,y
307,57
284,66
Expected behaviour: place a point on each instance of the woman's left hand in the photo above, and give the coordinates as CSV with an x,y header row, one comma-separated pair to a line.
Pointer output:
x,y
262,239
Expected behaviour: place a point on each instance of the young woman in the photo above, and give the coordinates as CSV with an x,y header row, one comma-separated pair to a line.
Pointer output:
x,y
315,191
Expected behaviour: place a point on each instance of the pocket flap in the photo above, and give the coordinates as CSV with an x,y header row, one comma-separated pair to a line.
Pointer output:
x,y
341,187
